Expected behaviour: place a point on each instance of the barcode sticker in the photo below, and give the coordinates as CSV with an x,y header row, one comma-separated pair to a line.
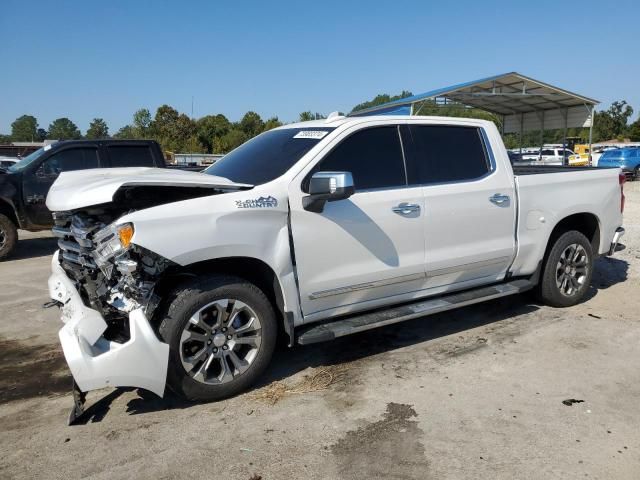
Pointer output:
x,y
317,134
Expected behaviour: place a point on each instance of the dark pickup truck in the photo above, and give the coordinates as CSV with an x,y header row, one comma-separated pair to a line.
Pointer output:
x,y
24,186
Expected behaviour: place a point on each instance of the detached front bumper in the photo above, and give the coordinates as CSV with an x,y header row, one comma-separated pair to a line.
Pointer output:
x,y
96,362
616,239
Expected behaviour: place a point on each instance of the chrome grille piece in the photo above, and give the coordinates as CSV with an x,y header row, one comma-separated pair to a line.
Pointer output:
x,y
72,233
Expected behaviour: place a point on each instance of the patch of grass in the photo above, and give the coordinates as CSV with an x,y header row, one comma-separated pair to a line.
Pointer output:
x,y
316,380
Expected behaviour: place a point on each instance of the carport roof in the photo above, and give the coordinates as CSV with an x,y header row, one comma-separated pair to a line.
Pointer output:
x,y
506,94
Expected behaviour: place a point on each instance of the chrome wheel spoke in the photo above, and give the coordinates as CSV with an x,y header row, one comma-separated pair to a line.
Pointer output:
x,y
201,374
198,321
226,375
235,361
250,340
196,358
574,282
191,335
249,326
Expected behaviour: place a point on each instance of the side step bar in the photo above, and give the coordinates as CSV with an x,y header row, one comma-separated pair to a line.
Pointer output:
x,y
365,321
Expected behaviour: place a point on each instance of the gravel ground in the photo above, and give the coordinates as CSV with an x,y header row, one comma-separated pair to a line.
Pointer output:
x,y
476,393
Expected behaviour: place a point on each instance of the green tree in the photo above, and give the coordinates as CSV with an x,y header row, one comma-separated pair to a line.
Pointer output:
x,y
380,99
272,122
620,111
230,140
251,124
308,115
125,133
5,139
63,129
612,123
41,135
209,127
142,123
24,129
634,131
173,129
98,129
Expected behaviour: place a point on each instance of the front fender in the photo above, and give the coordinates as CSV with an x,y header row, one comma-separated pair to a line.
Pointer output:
x,y
223,226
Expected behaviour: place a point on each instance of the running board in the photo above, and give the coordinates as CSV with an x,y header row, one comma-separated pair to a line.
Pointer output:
x,y
366,321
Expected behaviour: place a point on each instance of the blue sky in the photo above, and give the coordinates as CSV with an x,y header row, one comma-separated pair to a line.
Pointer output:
x,y
86,59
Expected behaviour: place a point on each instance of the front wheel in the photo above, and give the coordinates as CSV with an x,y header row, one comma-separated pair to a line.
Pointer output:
x,y
567,271
636,173
8,236
222,333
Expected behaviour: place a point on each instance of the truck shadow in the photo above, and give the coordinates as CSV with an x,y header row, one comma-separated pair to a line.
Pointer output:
x,y
290,361
608,272
33,247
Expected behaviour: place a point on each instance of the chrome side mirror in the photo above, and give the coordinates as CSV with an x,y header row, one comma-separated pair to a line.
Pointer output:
x,y
327,187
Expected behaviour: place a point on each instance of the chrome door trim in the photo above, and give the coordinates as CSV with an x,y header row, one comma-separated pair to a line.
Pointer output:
x,y
468,266
367,285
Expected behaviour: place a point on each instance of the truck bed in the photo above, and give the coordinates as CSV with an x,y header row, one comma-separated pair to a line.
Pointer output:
x,y
520,170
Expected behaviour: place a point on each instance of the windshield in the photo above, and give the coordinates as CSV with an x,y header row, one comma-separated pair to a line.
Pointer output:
x,y
268,155
26,161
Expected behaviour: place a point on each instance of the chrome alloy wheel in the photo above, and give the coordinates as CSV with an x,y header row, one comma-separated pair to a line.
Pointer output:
x,y
3,238
220,341
572,269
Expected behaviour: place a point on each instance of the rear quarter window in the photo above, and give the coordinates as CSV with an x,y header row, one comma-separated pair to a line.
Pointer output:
x,y
130,156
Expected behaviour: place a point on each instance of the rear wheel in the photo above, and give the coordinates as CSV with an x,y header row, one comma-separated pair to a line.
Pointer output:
x,y
222,333
8,236
567,270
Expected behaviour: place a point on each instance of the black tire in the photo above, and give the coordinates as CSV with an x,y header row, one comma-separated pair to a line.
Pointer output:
x,y
636,174
549,291
185,302
8,236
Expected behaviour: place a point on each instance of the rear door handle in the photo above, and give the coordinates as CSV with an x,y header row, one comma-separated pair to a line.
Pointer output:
x,y
406,208
499,199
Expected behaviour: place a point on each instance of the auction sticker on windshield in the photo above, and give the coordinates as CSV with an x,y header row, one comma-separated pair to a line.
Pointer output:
x,y
317,134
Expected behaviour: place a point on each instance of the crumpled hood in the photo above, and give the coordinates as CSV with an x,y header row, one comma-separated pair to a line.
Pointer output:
x,y
83,188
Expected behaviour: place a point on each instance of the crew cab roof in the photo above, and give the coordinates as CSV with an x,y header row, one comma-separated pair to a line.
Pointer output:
x,y
344,121
106,141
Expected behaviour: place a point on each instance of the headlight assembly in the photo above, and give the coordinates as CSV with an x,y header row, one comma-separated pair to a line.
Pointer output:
x,y
111,241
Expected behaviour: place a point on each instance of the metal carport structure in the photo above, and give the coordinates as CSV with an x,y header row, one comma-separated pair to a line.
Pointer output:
x,y
523,103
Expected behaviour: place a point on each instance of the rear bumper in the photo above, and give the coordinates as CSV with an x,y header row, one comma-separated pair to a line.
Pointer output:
x,y
96,362
616,238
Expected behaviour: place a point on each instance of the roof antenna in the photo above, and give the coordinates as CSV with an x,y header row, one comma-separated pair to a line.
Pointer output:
x,y
333,116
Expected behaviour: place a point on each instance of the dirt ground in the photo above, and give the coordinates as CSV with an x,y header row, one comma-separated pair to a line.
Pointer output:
x,y
477,393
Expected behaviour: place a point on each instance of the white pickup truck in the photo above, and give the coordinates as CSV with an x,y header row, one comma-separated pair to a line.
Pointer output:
x,y
313,230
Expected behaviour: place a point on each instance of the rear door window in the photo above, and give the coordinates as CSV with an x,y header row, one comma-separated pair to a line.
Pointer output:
x,y
130,156
441,153
373,156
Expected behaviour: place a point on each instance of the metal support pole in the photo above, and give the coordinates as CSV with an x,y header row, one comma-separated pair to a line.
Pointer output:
x,y
565,159
521,128
593,110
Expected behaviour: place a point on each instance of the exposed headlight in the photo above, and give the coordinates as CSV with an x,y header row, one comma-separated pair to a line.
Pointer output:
x,y
111,241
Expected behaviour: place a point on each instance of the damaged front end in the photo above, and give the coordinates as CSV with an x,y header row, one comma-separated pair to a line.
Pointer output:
x,y
105,285
114,275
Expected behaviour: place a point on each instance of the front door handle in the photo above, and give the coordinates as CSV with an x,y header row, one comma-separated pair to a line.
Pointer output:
x,y
499,199
406,208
